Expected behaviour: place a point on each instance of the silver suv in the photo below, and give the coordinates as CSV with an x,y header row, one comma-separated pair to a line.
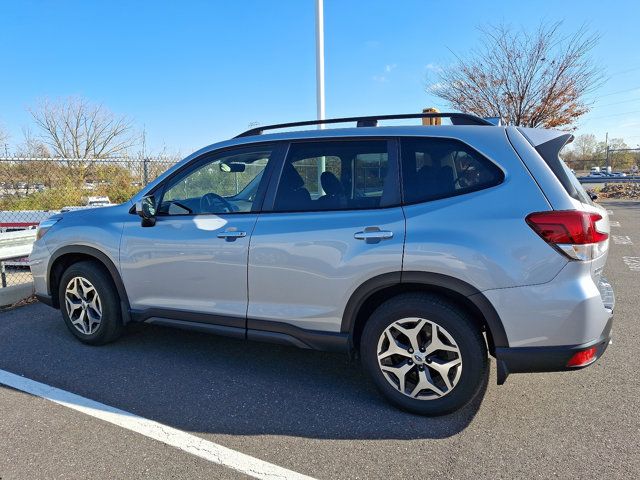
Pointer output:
x,y
422,249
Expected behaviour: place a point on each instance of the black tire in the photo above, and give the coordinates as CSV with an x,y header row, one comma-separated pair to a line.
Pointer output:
x,y
110,327
456,322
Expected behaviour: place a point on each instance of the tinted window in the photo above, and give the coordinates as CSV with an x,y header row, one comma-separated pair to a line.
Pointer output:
x,y
550,153
438,167
226,183
337,175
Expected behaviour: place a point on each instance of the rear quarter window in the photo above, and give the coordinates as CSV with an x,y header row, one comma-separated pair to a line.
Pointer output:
x,y
434,168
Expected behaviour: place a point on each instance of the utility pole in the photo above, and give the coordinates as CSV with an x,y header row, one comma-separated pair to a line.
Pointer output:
x,y
320,78
145,165
606,143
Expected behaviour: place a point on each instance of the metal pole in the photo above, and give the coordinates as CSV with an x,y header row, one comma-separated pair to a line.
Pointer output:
x,y
606,142
145,166
145,170
320,60
320,79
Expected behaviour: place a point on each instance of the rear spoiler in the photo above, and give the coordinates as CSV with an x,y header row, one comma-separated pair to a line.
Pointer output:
x,y
548,144
548,141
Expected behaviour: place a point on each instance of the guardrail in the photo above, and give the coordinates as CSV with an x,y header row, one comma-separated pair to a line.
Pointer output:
x,y
635,179
16,244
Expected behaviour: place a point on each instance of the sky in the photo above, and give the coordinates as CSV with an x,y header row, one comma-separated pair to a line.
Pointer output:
x,y
195,72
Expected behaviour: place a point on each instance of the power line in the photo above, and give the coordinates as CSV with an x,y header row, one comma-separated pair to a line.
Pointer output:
x,y
618,103
619,91
632,69
627,70
614,115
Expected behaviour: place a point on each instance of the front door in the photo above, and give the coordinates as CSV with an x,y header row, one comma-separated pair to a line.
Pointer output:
x,y
192,264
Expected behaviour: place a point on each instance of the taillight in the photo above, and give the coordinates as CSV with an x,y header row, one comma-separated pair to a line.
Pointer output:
x,y
573,232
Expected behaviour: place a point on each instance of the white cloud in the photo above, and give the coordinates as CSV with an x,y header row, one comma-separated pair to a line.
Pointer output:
x,y
384,76
434,67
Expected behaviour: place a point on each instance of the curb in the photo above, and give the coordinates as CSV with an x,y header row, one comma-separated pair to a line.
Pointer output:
x,y
15,293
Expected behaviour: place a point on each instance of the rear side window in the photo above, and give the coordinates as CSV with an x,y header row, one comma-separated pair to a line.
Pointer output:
x,y
435,168
337,175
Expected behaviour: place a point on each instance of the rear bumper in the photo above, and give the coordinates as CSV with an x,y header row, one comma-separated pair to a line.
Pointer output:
x,y
547,359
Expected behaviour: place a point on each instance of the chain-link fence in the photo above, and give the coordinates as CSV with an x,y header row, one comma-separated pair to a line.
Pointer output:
x,y
33,189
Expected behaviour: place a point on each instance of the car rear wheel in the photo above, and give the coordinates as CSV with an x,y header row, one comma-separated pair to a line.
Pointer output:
x,y
424,354
90,304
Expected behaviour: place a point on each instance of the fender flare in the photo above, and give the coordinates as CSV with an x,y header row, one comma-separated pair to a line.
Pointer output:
x,y
428,279
102,258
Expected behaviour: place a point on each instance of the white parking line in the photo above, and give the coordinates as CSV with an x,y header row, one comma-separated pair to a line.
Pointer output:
x,y
633,263
614,224
622,239
163,433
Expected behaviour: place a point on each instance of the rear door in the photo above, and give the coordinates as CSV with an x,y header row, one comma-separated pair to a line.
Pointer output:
x,y
331,220
465,208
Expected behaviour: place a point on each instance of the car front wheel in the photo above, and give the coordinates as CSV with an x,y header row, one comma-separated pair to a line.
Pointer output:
x,y
89,303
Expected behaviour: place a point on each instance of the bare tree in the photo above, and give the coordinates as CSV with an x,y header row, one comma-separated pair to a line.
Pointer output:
x,y
76,128
534,79
32,146
4,138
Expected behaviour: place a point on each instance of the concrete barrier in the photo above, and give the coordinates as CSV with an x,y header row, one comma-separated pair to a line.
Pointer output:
x,y
15,245
15,293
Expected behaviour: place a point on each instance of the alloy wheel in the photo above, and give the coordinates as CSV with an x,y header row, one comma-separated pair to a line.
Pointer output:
x,y
83,305
419,358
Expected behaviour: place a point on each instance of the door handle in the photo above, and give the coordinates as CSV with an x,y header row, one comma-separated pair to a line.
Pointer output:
x,y
231,235
373,235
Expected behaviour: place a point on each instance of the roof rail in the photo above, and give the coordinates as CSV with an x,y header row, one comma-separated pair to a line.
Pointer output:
x,y
372,121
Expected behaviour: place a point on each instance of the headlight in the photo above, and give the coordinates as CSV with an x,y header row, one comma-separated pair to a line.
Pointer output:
x,y
45,225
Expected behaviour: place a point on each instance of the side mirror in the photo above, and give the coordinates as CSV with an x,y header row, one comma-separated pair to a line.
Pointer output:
x,y
146,210
593,196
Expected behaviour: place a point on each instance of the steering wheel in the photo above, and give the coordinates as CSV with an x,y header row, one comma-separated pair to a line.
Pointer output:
x,y
211,203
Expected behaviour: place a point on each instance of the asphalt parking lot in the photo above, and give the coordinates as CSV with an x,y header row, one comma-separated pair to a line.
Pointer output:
x,y
311,412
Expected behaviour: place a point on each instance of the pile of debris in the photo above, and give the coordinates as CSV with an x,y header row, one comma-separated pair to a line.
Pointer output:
x,y
620,190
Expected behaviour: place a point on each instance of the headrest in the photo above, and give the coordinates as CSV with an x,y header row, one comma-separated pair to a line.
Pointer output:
x,y
291,178
330,183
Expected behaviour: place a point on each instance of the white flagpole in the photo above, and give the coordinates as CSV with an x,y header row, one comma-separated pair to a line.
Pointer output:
x,y
320,59
320,78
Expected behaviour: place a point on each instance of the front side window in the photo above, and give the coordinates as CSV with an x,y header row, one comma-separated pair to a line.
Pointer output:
x,y
337,175
435,168
226,183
